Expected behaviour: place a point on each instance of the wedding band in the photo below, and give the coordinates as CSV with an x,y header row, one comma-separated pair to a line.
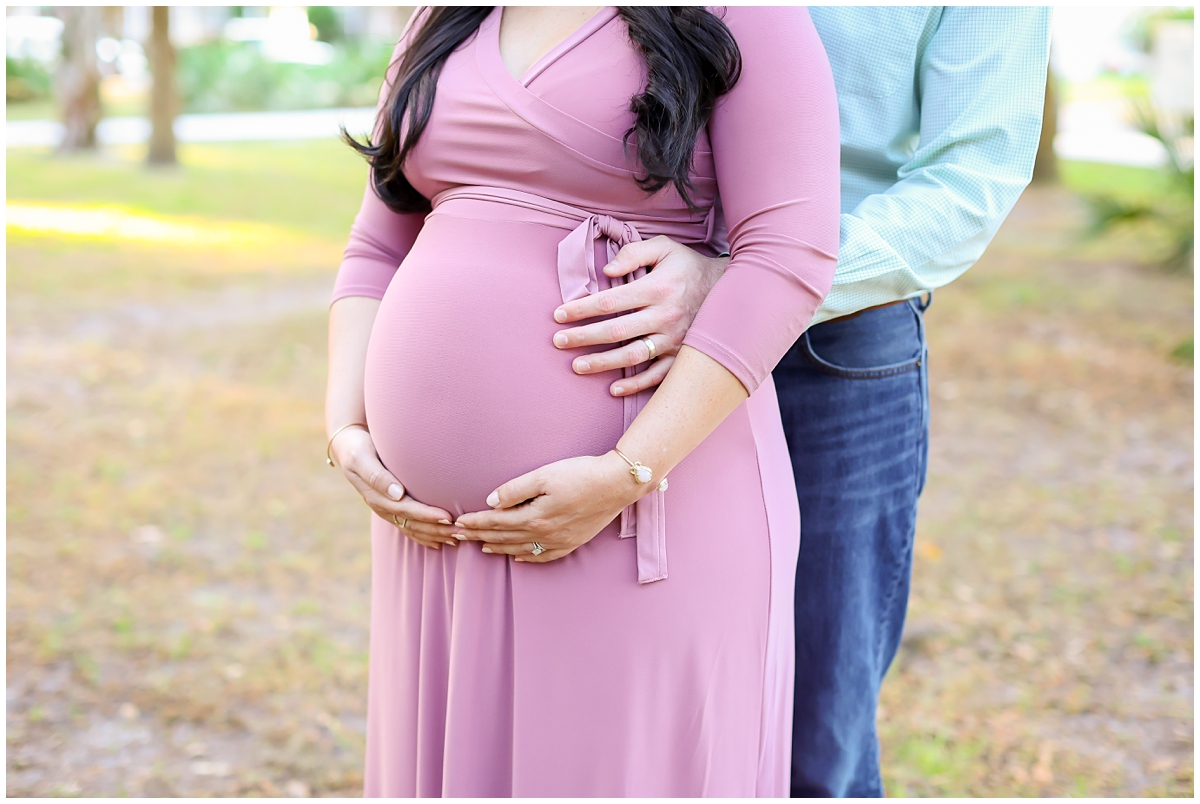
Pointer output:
x,y
538,549
650,345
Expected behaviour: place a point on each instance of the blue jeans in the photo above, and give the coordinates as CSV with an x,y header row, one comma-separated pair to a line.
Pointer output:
x,y
855,404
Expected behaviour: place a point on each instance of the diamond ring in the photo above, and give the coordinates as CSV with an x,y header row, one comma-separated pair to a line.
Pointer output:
x,y
538,549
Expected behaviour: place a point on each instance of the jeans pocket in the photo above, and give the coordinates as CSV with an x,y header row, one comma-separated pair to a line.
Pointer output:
x,y
874,344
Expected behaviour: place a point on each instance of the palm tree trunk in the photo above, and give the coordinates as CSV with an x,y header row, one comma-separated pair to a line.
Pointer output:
x,y
78,77
164,98
1045,165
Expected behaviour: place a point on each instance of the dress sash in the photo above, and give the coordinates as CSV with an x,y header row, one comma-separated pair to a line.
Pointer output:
x,y
579,276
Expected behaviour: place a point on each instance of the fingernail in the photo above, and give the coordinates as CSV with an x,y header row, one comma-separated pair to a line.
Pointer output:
x,y
459,535
395,491
560,340
452,544
618,389
519,559
443,521
493,499
436,546
487,549
582,365
609,267
560,315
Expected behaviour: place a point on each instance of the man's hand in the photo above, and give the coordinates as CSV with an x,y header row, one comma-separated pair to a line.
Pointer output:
x,y
666,301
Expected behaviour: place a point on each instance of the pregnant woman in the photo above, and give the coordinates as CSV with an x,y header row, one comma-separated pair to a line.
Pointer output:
x,y
648,653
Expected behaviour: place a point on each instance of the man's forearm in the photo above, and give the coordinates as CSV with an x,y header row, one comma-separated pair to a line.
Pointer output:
x,y
980,81
871,273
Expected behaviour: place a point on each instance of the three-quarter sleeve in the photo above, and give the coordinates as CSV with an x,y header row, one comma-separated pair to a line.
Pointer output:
x,y
775,146
380,238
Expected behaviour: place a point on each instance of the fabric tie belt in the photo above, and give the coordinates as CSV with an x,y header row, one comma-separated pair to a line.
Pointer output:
x,y
579,276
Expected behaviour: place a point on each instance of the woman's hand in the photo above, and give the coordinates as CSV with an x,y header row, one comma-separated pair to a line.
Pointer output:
x,y
354,452
561,505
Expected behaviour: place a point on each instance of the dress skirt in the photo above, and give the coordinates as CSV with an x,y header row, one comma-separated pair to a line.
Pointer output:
x,y
495,678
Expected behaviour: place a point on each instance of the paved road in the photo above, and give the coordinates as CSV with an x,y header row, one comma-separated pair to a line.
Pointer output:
x,y
304,125
1090,131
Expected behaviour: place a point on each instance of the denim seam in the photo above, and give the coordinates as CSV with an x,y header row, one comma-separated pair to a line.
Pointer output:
x,y
865,374
908,547
893,370
894,584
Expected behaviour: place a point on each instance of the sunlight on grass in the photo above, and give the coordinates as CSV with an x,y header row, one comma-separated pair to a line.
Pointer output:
x,y
118,224
309,187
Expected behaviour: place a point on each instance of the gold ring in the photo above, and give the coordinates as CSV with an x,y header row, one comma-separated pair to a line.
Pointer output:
x,y
650,345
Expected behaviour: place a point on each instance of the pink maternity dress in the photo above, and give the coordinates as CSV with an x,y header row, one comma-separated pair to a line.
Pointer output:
x,y
656,660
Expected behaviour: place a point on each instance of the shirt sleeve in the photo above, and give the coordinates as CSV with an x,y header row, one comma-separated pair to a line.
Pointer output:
x,y
775,146
980,83
379,238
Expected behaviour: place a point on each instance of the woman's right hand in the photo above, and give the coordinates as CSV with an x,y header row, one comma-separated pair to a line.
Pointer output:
x,y
353,451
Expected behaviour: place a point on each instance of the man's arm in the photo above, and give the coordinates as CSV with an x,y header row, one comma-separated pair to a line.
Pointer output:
x,y
981,82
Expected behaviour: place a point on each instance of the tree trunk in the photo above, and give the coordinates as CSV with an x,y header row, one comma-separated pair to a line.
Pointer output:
x,y
1045,165
164,99
78,77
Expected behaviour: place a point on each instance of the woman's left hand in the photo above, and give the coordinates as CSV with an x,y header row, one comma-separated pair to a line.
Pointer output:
x,y
561,506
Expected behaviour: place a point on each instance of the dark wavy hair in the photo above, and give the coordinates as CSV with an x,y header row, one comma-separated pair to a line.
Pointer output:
x,y
691,59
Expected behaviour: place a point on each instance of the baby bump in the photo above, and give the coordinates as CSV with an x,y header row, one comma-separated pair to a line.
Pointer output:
x,y
464,388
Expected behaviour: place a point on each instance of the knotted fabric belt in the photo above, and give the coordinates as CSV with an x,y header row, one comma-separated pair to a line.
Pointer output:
x,y
579,276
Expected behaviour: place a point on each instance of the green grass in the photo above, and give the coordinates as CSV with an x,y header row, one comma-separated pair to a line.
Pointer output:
x,y
247,621
310,187
48,110
1104,87
281,207
1129,184
927,763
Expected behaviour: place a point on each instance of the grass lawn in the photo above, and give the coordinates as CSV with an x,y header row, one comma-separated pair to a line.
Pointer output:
x,y
187,580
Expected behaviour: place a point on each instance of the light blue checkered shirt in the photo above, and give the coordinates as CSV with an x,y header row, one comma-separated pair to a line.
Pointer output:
x,y
941,108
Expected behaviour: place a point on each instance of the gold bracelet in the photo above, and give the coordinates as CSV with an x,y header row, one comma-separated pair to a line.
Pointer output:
x,y
640,471
328,456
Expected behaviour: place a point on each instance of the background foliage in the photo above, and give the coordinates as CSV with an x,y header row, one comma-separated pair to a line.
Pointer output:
x,y
230,76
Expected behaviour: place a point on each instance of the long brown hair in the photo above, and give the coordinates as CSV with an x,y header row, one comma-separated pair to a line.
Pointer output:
x,y
691,59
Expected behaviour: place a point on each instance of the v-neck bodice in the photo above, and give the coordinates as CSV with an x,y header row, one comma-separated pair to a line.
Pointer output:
x,y
557,142
594,22
489,129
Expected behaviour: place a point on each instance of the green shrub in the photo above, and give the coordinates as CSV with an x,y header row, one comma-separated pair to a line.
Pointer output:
x,y
229,76
1171,211
327,22
25,80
